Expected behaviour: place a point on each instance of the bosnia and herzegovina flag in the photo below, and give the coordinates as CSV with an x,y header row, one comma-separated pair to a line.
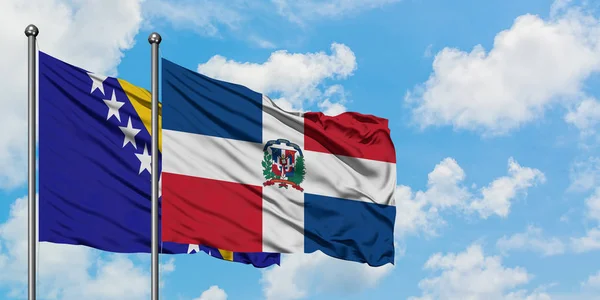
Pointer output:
x,y
94,165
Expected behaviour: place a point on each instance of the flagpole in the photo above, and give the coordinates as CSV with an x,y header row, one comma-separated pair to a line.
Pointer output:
x,y
31,32
154,39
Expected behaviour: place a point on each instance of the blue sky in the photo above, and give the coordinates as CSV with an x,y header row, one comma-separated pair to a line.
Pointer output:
x,y
493,111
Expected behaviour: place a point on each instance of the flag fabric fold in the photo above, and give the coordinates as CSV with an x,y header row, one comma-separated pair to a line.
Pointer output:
x,y
95,164
240,173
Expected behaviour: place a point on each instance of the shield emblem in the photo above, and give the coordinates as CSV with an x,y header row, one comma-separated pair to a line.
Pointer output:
x,y
283,164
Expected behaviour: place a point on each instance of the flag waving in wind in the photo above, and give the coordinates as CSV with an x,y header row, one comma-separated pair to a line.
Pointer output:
x,y
240,173
94,165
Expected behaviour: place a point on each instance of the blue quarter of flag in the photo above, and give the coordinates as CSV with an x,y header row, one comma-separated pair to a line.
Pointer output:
x,y
94,170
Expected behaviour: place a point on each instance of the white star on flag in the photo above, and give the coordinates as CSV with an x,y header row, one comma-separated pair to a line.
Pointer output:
x,y
160,186
195,248
145,161
129,133
113,107
97,82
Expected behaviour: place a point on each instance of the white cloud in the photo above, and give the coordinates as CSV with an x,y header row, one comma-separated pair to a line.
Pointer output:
x,y
592,204
295,77
559,6
213,293
535,295
592,282
331,109
301,11
517,80
585,174
261,42
168,266
532,240
589,242
303,274
420,211
201,16
415,214
473,275
216,19
585,116
428,51
90,34
334,100
84,273
496,197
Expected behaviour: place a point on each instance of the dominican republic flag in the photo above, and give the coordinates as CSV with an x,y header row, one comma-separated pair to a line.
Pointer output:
x,y
240,173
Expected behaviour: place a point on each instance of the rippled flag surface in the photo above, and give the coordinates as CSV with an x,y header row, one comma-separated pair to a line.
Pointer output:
x,y
264,179
94,165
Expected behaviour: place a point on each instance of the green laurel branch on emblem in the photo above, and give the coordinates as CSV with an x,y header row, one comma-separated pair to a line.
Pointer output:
x,y
299,171
266,163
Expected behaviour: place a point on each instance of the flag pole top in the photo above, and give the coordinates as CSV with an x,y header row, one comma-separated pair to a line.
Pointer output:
x,y
154,38
32,30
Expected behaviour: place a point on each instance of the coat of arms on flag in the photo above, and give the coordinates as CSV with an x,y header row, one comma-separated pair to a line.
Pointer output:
x,y
283,163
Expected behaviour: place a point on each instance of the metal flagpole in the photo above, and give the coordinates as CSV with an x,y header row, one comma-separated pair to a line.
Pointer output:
x,y
31,32
154,39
